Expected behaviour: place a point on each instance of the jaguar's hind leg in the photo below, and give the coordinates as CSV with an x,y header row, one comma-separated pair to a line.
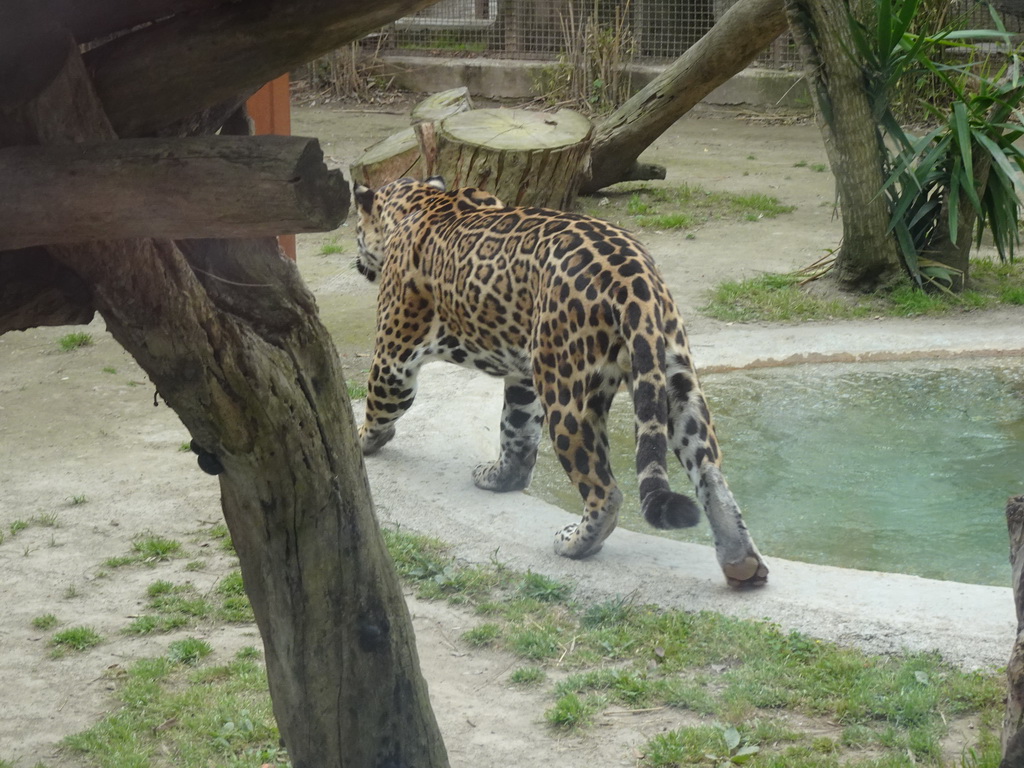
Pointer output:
x,y
692,438
521,419
578,431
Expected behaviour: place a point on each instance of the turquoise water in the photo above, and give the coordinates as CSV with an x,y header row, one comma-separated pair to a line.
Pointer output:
x,y
901,467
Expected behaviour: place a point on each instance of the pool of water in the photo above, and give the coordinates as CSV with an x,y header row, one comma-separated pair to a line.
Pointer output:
x,y
901,467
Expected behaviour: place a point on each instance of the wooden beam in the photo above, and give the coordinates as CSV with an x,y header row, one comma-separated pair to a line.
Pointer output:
x,y
212,186
170,70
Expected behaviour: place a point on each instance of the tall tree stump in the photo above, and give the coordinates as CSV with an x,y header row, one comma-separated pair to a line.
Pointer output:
x,y
1013,723
392,158
523,157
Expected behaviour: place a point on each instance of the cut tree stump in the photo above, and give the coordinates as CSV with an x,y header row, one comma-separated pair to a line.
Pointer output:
x,y
523,157
393,158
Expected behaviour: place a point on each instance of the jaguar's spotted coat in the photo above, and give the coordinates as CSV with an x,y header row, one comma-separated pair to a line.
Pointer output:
x,y
566,308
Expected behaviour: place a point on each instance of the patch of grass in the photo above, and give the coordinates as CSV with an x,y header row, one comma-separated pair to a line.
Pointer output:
x,y
540,587
356,391
186,714
47,520
109,369
571,712
76,340
18,526
149,550
527,676
188,650
331,247
235,606
681,207
78,500
44,622
782,298
777,298
75,639
483,635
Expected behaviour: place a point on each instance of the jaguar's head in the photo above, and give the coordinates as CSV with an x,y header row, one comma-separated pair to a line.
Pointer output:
x,y
379,212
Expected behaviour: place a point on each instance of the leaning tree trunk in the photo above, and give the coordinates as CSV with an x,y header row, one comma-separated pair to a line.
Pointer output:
x,y
731,44
229,334
868,255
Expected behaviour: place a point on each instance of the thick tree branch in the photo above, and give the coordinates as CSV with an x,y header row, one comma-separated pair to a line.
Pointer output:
x,y
730,45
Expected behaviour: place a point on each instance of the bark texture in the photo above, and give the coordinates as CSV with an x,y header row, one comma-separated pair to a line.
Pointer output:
x,y
730,45
199,187
229,334
868,255
1013,722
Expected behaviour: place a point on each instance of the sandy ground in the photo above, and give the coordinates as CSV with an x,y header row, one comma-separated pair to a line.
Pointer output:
x,y
92,465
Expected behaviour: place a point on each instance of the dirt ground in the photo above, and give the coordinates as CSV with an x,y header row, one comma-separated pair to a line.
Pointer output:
x,y
91,463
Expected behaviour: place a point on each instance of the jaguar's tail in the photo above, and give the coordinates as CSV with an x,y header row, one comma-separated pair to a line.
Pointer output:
x,y
662,507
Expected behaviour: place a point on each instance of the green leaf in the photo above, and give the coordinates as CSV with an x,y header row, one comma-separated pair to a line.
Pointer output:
x,y
732,738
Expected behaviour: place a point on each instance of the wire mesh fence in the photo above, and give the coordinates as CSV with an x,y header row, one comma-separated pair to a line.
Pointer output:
x,y
653,31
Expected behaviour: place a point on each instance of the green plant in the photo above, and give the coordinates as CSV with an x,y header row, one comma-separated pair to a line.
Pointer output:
x,y
75,340
109,369
76,639
46,621
331,247
570,712
78,500
188,651
485,634
526,676
154,548
540,587
18,526
964,172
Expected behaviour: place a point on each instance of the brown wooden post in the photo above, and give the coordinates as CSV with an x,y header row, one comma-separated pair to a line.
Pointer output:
x,y
271,111
1013,722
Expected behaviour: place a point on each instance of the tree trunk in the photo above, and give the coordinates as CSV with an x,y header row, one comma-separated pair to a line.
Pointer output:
x,y
229,334
522,157
175,188
729,46
1013,722
36,290
868,256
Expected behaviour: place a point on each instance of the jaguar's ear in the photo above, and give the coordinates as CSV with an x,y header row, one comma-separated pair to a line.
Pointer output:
x,y
364,197
438,182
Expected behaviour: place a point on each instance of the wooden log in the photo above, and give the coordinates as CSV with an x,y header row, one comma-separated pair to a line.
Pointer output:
x,y
165,72
35,290
392,158
401,154
267,404
213,186
443,104
523,157
1013,721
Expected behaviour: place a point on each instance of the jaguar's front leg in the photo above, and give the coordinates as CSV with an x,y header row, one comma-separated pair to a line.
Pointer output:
x,y
521,419
390,392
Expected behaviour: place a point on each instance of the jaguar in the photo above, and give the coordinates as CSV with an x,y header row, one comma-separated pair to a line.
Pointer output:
x,y
566,308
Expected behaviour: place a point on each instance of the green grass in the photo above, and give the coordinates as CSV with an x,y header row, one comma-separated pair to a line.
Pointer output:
x,y
682,207
46,621
331,247
72,341
782,298
148,550
757,694
75,639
